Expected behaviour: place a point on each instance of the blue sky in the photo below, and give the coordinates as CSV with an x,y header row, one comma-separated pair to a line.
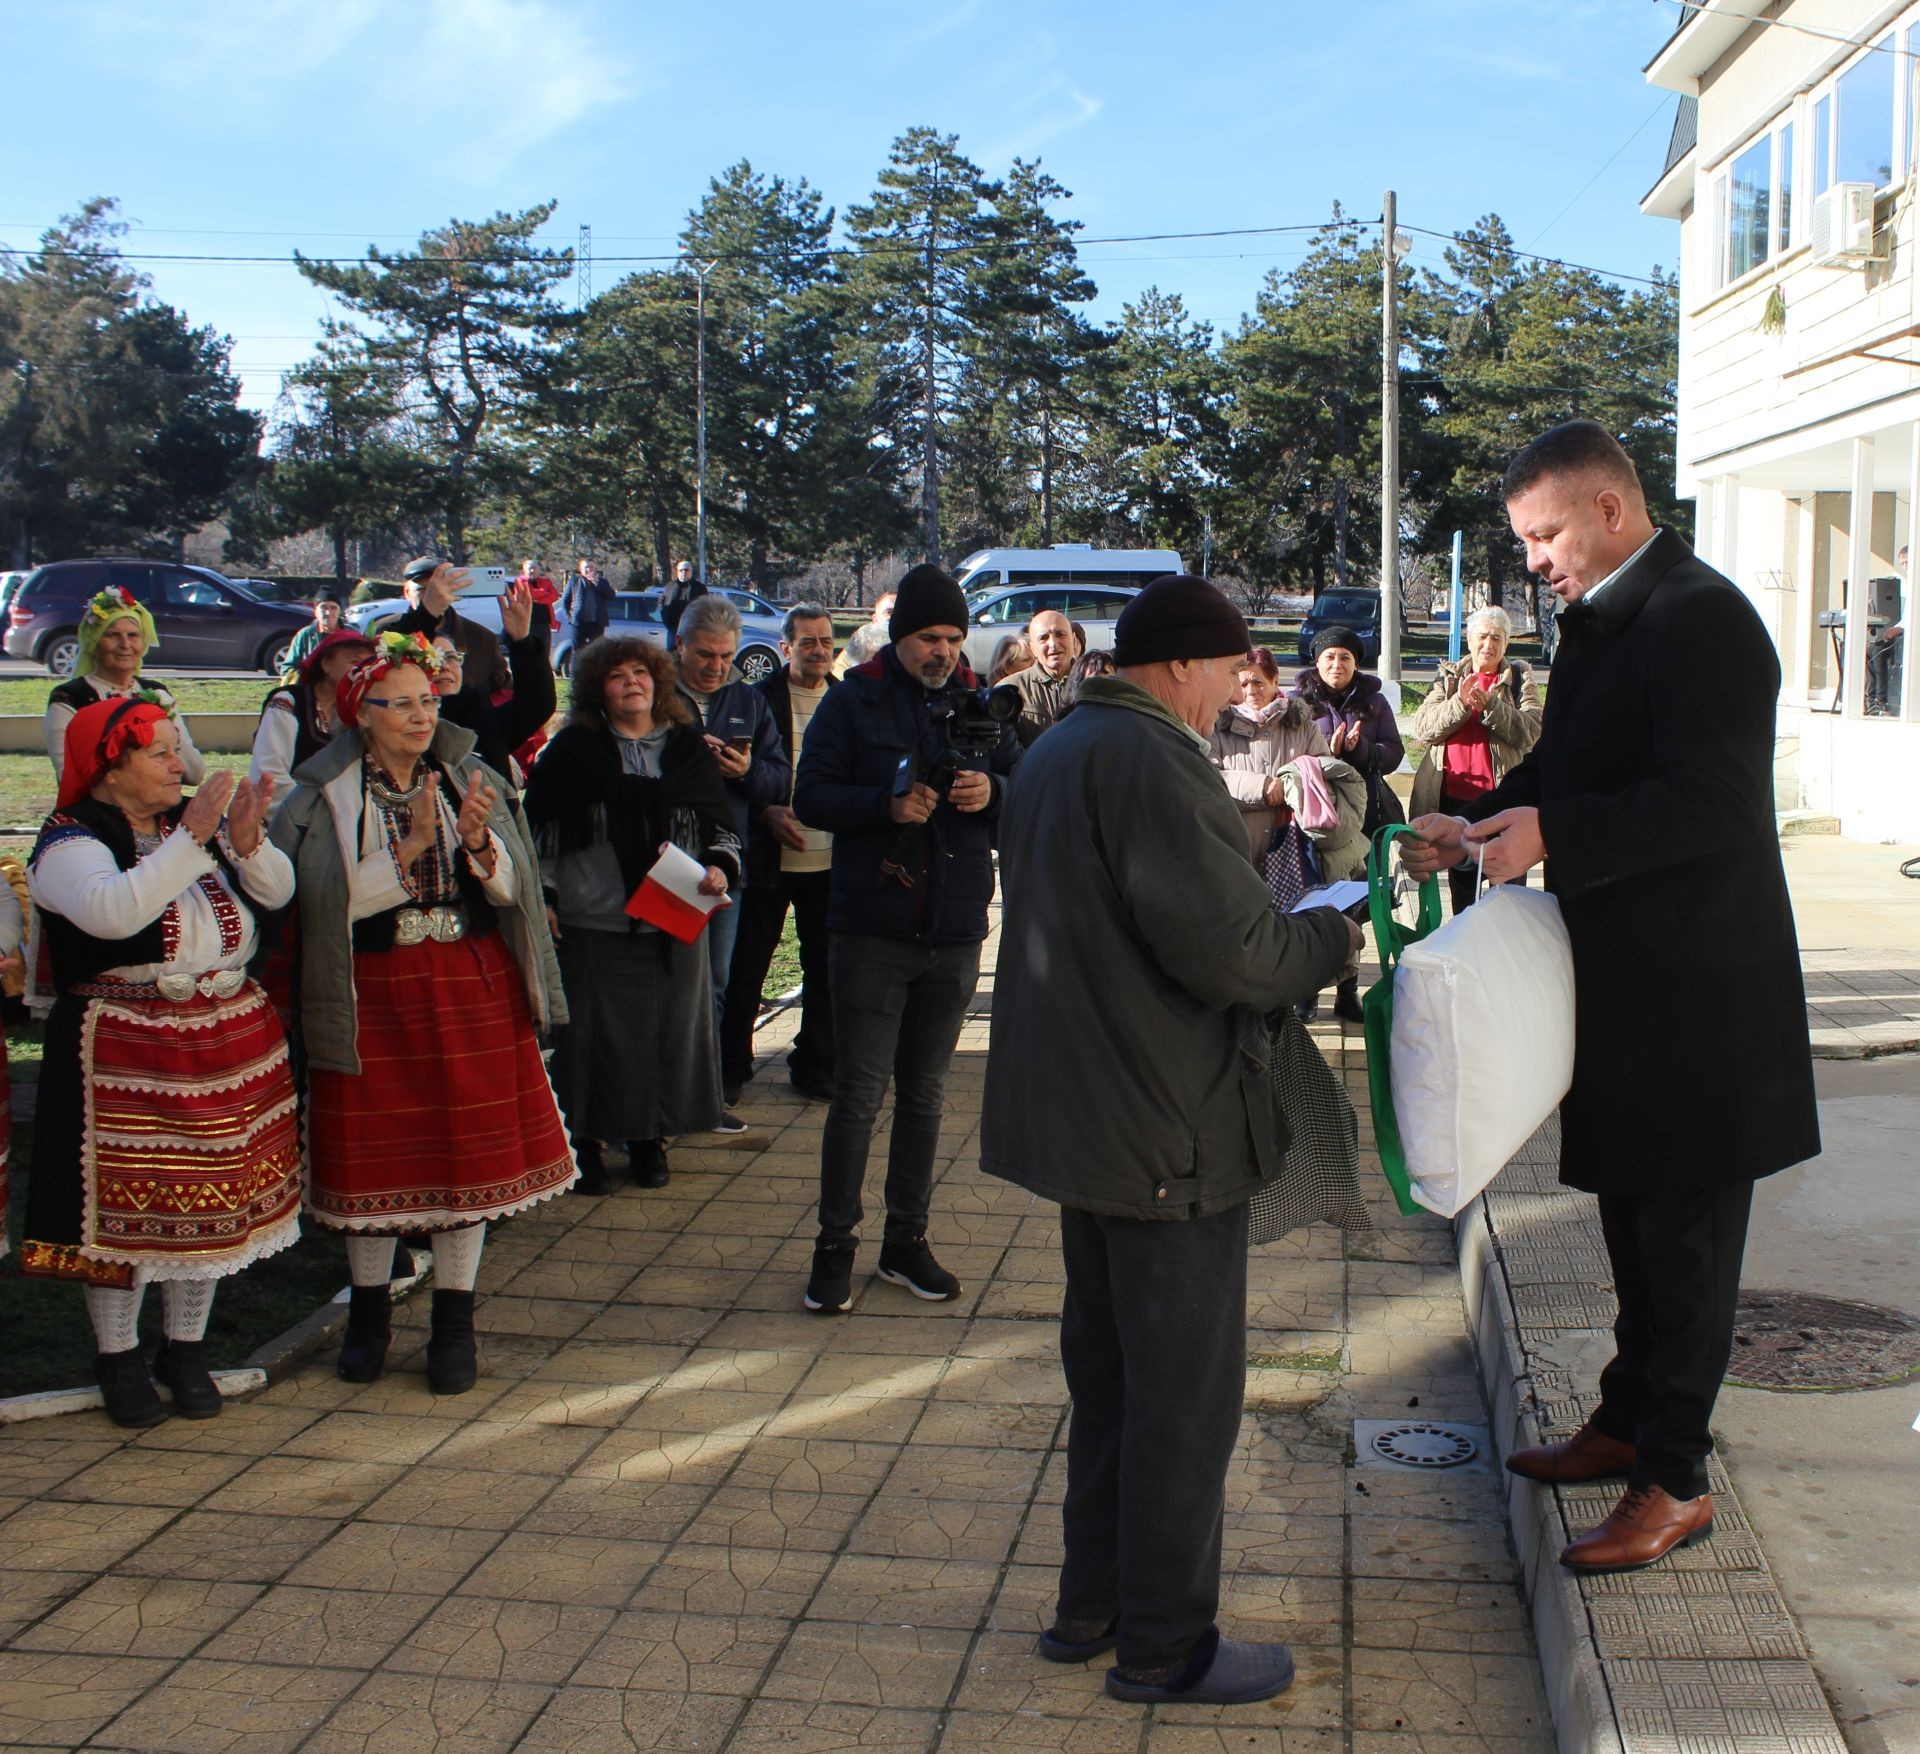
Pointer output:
x,y
247,127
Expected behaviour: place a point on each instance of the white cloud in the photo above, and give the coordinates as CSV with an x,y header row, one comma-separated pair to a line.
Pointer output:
x,y
1054,107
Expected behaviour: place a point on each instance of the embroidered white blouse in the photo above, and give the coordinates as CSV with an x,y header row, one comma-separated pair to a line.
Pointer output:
x,y
375,881
179,883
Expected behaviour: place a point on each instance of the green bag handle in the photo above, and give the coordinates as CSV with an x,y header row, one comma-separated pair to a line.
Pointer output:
x,y
1391,939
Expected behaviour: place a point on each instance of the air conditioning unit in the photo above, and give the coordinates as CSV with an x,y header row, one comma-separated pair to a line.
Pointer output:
x,y
1843,233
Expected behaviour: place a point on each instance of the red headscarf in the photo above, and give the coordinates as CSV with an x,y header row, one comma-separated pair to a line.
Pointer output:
x,y
97,736
390,652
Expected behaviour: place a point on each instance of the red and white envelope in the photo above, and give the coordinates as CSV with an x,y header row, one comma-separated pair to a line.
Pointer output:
x,y
669,896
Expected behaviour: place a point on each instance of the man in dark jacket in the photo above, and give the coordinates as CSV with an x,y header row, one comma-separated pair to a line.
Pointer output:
x,y
788,866
686,591
753,761
1650,796
434,614
907,909
1127,1079
588,603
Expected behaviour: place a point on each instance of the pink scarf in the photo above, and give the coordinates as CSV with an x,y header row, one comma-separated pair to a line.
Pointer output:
x,y
1317,808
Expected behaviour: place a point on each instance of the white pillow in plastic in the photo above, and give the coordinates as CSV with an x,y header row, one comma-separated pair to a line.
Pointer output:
x,y
1482,1042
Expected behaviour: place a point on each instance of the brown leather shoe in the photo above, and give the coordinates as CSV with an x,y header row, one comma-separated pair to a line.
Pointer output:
x,y
1647,1524
1586,1455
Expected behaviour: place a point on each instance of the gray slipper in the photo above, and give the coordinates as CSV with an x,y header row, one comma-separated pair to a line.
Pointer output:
x,y
1240,1674
1060,1650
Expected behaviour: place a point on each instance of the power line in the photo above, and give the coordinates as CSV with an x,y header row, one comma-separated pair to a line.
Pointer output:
x,y
1884,47
1658,109
1449,237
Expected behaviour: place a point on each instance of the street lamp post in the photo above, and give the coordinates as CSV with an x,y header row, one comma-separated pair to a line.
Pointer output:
x,y
1394,243
700,272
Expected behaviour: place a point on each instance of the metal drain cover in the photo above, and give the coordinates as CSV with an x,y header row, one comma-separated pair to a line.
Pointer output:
x,y
1793,1340
1424,1445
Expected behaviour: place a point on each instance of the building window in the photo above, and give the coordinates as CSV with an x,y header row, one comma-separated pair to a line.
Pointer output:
x,y
1749,208
1784,184
1822,145
1863,137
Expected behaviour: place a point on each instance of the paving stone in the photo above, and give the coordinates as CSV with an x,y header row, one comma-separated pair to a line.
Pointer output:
x,y
616,1510
138,1617
396,1714
795,1728
351,1435
474,1638
902,1526
614,1720
392,1556
1003,1677
524,1447
458,1498
1680,1705
313,1485
815,1464
1421,1615
244,1428
731,1581
843,1663
774,1519
877,1590
26,1595
1449,1693
578,1569
982,1732
52,1536
231,1708
60,1700
683,1653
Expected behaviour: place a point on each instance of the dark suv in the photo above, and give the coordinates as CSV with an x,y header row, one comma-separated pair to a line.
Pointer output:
x,y
1357,611
203,620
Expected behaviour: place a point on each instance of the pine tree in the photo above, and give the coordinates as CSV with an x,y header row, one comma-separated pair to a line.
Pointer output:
x,y
459,331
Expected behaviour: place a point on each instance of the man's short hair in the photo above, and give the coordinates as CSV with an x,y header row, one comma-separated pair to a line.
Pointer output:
x,y
1578,447
709,614
802,612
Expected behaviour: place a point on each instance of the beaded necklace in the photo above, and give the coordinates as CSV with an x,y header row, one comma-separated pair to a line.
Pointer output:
x,y
430,881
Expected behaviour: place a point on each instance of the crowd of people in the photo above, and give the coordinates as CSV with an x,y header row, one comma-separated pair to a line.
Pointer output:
x,y
324,990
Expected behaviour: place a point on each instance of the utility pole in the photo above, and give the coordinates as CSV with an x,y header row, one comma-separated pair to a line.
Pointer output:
x,y
1394,243
700,272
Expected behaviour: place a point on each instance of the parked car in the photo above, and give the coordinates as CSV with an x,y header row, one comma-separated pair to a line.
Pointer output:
x,y
638,612
999,613
1357,611
481,610
1065,563
203,619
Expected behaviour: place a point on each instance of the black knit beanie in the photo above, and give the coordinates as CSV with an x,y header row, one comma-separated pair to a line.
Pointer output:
x,y
1329,637
926,597
1179,616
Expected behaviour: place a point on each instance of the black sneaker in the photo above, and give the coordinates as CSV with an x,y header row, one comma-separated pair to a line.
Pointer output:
x,y
910,1262
729,1123
730,1094
830,1284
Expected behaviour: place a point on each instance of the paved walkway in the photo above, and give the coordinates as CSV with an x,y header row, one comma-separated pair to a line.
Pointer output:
x,y
680,1514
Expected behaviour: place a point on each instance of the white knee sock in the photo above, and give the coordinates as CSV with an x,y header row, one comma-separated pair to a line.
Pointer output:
x,y
115,1315
456,1257
186,1304
370,1259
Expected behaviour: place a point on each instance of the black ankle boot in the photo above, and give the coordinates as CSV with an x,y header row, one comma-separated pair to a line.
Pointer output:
x,y
453,1365
1346,1002
127,1390
648,1158
363,1350
593,1169
180,1364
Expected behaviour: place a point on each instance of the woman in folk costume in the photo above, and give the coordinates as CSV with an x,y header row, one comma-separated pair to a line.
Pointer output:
x,y
116,633
297,720
424,969
166,1144
639,1059
12,931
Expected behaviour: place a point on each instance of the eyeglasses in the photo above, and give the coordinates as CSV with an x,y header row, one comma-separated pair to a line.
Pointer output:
x,y
417,703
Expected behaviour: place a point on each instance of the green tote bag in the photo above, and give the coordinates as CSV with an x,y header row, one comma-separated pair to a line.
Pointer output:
x,y
1391,938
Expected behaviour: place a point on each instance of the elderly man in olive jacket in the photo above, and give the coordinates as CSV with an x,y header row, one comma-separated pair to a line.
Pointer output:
x,y
1127,1080
1651,799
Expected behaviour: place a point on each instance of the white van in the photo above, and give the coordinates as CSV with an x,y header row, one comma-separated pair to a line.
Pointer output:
x,y
1075,563
1007,587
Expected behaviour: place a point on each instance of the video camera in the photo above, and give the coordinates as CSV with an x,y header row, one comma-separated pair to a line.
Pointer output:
x,y
972,721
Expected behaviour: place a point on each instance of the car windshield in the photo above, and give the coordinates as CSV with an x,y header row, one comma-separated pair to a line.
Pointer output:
x,y
1349,607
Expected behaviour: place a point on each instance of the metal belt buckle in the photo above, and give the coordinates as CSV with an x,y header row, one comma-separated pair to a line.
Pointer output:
x,y
409,926
415,925
223,983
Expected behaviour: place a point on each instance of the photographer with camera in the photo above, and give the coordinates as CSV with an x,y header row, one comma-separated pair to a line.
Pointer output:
x,y
904,764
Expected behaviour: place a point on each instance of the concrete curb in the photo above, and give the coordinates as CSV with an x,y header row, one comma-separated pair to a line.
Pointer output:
x,y
1700,1651
266,1365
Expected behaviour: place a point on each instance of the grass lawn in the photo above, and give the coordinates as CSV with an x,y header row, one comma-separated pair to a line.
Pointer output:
x,y
27,789
242,693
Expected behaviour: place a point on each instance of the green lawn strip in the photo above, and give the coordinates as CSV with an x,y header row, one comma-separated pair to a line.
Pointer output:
x,y
50,1344
27,790
242,693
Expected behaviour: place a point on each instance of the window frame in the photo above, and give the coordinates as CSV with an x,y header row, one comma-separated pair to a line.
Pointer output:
x,y
1786,166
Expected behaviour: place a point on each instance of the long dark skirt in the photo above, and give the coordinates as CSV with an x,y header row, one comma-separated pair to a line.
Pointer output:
x,y
640,1058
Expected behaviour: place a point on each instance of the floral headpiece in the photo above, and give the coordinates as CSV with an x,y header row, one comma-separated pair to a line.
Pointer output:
x,y
115,603
390,652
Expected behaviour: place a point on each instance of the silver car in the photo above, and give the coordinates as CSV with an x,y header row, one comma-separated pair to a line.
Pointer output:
x,y
638,612
997,613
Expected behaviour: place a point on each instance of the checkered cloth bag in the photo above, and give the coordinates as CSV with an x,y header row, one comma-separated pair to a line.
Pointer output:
x,y
1319,1178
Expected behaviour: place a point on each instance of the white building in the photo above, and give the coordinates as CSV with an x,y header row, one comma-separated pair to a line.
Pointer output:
x,y
1792,174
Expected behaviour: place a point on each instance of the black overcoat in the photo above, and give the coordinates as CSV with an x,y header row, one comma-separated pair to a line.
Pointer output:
x,y
1654,781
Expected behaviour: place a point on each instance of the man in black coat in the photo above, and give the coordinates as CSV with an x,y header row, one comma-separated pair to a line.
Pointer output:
x,y
1650,796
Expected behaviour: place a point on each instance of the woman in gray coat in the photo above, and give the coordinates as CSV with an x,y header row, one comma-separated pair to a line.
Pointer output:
x,y
424,969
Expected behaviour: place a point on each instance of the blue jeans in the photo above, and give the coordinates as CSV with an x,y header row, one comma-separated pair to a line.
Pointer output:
x,y
722,932
897,1011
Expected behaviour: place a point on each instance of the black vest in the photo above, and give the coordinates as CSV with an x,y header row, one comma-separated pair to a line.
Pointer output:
x,y
78,957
